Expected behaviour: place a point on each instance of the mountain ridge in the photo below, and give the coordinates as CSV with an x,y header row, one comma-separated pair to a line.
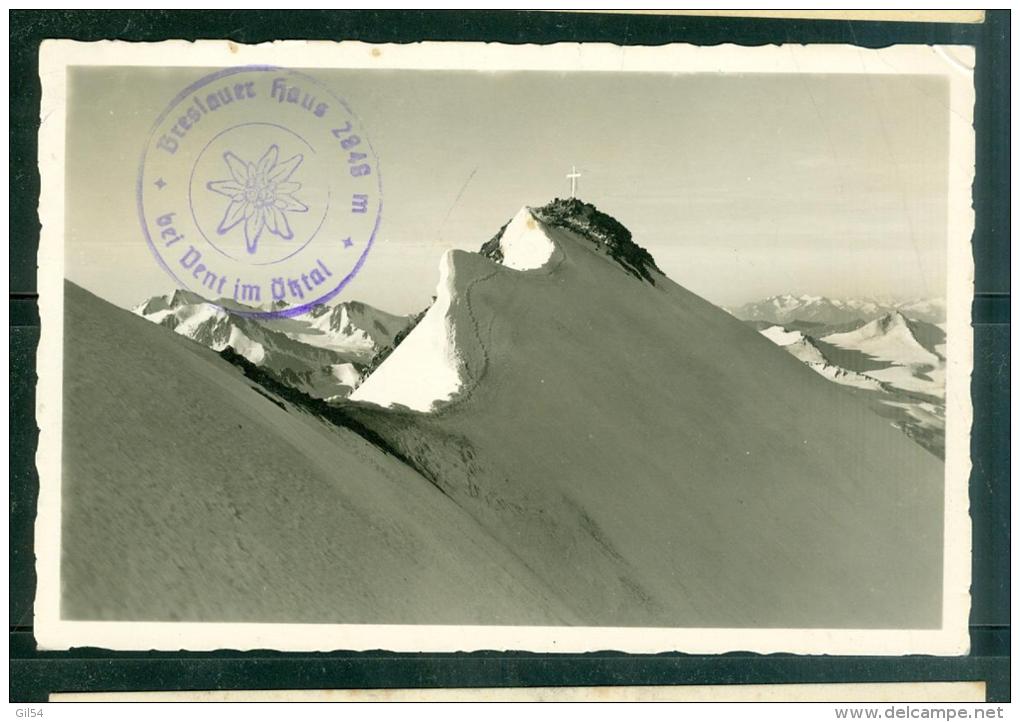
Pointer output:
x,y
324,355
788,308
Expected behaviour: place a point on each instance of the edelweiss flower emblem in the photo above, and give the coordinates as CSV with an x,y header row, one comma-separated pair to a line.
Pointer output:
x,y
261,195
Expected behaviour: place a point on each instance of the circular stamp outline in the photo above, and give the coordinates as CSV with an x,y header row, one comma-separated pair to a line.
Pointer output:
x,y
139,190
201,231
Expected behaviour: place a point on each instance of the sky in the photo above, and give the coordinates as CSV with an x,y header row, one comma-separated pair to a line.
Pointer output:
x,y
741,186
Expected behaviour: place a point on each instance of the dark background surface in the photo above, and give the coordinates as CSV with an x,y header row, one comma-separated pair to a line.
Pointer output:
x,y
34,674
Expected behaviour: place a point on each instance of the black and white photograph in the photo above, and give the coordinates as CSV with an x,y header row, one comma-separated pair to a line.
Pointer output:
x,y
462,346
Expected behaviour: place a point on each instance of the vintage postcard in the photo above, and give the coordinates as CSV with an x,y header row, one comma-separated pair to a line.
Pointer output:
x,y
462,346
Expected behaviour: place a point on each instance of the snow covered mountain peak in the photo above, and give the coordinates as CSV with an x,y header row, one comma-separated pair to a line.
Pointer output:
x,y
353,325
891,324
181,297
158,304
432,364
894,338
525,241
524,244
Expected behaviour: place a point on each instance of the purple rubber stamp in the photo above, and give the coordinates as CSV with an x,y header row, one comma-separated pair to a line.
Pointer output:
x,y
258,189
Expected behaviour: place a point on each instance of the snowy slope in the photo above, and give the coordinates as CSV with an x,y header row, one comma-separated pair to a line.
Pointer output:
x,y
192,494
781,336
656,460
426,369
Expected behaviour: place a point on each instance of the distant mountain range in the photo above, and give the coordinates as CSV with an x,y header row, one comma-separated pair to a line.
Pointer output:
x,y
323,354
787,308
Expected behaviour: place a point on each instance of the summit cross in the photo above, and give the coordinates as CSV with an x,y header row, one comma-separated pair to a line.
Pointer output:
x,y
573,175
